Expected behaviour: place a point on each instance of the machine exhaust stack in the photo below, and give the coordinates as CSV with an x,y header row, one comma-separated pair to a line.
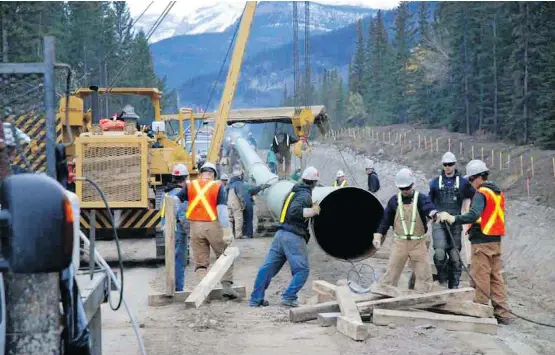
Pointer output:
x,y
349,215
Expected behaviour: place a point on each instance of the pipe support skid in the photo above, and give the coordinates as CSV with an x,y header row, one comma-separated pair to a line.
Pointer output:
x,y
349,216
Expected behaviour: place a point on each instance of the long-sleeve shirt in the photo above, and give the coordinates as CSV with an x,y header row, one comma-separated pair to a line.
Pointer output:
x,y
373,182
424,205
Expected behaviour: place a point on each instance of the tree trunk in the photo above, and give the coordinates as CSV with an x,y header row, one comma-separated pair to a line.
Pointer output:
x,y
5,46
525,107
466,99
495,83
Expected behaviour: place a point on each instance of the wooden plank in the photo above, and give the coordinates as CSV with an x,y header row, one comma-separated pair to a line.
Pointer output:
x,y
390,291
328,319
161,299
306,313
347,304
169,237
326,292
424,300
353,329
212,278
465,308
446,321
321,286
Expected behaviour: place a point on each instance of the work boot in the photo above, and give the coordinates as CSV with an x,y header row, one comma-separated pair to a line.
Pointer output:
x,y
263,303
290,303
200,274
505,320
228,291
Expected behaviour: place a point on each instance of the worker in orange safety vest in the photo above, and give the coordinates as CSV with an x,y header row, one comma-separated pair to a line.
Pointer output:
x,y
487,219
209,221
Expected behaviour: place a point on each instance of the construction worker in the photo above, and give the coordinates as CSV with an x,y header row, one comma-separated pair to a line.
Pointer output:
x,y
487,219
271,160
450,192
289,243
373,181
251,140
410,241
208,217
296,176
224,179
281,145
179,178
233,157
236,202
340,179
249,215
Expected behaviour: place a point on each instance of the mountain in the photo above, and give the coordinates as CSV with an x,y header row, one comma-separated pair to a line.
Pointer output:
x,y
184,57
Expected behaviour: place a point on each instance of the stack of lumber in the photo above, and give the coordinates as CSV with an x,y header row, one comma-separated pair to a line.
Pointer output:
x,y
449,309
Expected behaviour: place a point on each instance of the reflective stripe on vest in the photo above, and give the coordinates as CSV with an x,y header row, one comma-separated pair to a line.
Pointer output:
x,y
441,182
285,207
402,216
205,212
492,221
342,183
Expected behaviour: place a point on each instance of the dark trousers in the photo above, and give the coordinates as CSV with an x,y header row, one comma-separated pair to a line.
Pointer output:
x,y
446,255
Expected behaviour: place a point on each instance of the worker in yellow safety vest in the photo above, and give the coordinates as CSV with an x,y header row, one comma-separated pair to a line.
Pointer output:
x,y
487,219
179,178
340,180
209,221
289,243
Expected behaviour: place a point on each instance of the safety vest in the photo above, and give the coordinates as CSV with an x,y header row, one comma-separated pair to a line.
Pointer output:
x,y
492,220
340,185
408,234
285,207
203,199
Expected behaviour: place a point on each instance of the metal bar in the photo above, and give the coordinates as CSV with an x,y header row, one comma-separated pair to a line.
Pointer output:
x,y
22,68
92,245
95,107
50,103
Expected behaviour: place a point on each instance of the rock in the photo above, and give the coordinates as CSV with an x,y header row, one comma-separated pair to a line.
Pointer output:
x,y
141,325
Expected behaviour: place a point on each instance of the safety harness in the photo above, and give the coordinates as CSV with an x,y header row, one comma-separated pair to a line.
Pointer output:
x,y
409,235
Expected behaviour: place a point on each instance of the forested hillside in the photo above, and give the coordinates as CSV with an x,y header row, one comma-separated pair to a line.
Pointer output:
x,y
95,38
484,67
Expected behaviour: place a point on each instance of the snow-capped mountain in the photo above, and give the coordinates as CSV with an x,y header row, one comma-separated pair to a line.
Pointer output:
x,y
213,16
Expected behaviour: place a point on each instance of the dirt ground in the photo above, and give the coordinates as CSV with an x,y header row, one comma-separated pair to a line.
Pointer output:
x,y
234,328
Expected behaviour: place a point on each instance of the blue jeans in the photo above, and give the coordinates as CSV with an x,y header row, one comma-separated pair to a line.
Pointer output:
x,y
289,247
180,256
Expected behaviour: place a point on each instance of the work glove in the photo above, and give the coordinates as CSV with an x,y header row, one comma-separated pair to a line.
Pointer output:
x,y
377,241
228,235
316,208
446,217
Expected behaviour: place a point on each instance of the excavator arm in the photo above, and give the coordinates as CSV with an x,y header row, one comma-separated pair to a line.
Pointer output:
x,y
231,82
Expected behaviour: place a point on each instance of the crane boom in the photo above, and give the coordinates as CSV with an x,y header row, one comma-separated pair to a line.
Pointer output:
x,y
231,81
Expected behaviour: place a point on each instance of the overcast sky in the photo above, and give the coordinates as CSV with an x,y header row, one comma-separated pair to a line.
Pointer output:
x,y
185,6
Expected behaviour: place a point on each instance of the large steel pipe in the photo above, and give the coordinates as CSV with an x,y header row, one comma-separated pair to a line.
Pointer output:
x,y
348,218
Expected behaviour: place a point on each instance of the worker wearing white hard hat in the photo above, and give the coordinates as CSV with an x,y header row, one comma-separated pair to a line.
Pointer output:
x,y
340,180
179,178
209,220
373,180
290,242
450,192
487,220
407,212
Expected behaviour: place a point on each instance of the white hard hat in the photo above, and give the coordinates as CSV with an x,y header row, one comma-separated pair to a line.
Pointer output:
x,y
311,174
180,170
369,164
475,167
209,166
404,178
237,172
340,173
224,177
448,158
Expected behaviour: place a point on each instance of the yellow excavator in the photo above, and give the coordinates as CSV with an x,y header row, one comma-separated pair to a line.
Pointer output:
x,y
132,166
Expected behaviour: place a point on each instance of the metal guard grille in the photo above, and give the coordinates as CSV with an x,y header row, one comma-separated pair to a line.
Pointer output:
x,y
116,168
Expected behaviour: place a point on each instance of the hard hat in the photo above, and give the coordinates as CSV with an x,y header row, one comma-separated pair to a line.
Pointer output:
x,y
129,113
207,166
340,173
311,174
224,177
404,178
369,164
180,170
237,172
475,167
448,158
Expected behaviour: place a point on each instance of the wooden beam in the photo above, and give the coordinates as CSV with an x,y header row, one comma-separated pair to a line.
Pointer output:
x,y
445,321
212,278
169,237
353,329
306,313
424,300
350,322
328,319
390,291
326,292
160,299
465,308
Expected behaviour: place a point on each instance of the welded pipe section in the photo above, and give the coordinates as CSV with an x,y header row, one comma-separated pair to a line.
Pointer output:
x,y
349,216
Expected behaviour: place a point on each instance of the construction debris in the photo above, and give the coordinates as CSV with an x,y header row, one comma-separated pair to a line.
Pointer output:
x,y
391,306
